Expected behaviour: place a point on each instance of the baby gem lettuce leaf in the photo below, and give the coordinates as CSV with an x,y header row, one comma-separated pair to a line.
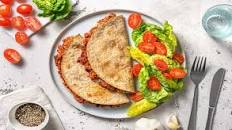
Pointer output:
x,y
171,63
137,34
140,107
144,58
139,56
55,9
164,34
152,96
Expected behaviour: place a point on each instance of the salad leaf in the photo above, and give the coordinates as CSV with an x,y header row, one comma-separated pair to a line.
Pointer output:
x,y
175,85
144,58
140,107
139,56
63,14
165,35
137,34
171,63
168,30
44,4
55,9
152,96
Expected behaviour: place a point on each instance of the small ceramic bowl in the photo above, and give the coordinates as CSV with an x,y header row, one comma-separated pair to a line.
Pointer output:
x,y
18,126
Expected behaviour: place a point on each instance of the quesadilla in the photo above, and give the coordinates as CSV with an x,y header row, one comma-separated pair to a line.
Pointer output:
x,y
77,79
107,52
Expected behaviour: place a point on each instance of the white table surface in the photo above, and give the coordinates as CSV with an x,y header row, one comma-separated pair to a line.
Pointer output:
x,y
184,15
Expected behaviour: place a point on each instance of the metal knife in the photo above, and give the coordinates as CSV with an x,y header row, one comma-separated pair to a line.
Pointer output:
x,y
214,96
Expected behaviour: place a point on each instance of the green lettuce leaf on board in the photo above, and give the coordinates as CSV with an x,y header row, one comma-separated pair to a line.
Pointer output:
x,y
55,9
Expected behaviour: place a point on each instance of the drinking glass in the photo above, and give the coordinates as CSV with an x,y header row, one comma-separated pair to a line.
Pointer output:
x,y
217,21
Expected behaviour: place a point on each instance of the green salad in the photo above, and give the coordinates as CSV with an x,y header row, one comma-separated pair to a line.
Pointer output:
x,y
55,9
158,71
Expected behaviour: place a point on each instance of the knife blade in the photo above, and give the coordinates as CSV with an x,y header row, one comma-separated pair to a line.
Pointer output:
x,y
216,87
214,96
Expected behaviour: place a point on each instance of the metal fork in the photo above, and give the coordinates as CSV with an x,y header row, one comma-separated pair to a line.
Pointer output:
x,y
197,74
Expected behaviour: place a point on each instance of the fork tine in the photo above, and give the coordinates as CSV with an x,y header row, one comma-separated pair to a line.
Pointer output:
x,y
198,64
201,64
204,64
194,64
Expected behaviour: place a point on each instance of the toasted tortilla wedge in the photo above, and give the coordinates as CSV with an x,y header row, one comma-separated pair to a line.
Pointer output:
x,y
77,80
108,54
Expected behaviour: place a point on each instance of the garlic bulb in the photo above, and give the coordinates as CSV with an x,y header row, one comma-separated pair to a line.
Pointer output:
x,y
173,123
148,124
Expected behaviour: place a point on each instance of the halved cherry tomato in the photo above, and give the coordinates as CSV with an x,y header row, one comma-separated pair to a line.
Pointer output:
x,y
5,10
137,96
149,37
12,56
33,23
18,23
135,20
178,57
177,73
167,75
21,38
136,69
5,22
7,1
160,48
161,65
153,84
24,9
147,47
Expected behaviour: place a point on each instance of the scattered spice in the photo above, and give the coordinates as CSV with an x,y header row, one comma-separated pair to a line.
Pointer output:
x,y
30,114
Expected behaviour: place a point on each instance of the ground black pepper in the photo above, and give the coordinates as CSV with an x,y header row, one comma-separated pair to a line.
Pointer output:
x,y
30,114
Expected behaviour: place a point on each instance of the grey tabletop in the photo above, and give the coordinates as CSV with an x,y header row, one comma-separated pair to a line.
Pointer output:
x,y
184,15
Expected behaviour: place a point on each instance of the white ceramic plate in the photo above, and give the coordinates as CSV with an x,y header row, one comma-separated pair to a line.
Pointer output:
x,y
83,25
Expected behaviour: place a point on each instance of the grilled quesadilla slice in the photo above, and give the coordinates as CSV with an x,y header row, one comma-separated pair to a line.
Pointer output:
x,y
108,54
77,79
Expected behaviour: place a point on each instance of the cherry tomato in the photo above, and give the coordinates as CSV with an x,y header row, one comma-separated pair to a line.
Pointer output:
x,y
167,75
161,65
147,47
160,48
33,23
24,9
149,37
178,73
137,96
135,20
21,38
7,1
5,10
18,23
178,57
12,56
153,84
136,69
5,22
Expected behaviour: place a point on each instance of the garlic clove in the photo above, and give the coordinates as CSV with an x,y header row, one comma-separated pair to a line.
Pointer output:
x,y
173,123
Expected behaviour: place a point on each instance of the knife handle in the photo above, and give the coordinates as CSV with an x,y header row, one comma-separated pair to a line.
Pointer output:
x,y
211,113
